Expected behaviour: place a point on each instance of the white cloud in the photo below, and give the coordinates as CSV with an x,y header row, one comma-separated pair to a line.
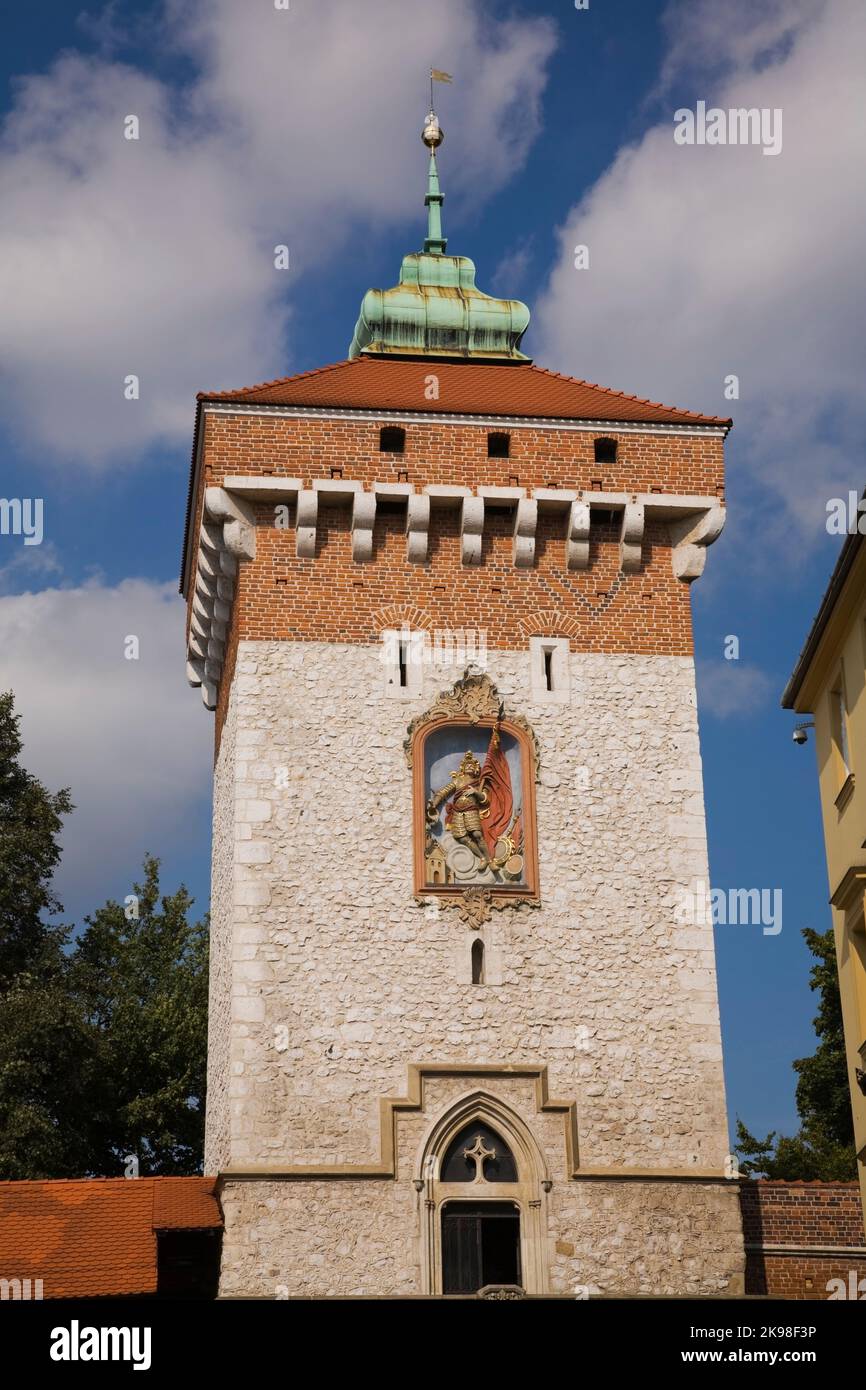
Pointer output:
x,y
730,687
739,34
155,257
19,560
511,271
129,738
707,261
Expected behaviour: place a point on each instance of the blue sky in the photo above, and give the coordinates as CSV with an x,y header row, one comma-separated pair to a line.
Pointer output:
x,y
258,128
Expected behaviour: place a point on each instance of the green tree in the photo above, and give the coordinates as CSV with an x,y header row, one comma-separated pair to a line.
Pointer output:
x,y
31,819
823,1147
103,1038
45,1045
48,1077
140,972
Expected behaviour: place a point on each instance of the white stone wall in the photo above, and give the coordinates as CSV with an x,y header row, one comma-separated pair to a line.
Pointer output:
x,y
339,979
217,1147
317,1238
323,1237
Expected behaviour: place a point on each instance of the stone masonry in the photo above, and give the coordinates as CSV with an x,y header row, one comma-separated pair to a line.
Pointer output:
x,y
329,979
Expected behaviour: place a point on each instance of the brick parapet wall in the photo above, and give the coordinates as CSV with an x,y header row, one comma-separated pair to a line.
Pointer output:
x,y
820,1224
540,455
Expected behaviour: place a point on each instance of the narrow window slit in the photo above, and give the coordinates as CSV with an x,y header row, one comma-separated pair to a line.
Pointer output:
x,y
548,667
478,961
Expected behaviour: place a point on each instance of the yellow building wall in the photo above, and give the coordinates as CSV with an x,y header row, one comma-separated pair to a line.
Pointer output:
x,y
839,669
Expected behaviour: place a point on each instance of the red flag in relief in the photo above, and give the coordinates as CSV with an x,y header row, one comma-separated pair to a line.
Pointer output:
x,y
497,781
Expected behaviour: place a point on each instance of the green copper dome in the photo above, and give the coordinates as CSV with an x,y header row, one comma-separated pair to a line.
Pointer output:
x,y
436,310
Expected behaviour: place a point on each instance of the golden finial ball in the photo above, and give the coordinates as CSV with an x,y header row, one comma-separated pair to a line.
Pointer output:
x,y
432,134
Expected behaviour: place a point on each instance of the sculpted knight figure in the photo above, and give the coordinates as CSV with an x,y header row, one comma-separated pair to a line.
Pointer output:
x,y
470,802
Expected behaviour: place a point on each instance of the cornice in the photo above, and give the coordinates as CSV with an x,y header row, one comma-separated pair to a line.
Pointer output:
x,y
435,417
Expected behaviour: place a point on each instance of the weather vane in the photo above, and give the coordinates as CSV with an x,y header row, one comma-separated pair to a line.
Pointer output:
x,y
432,133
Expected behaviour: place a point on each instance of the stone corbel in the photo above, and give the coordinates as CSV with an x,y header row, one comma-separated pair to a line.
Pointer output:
x,y
363,519
631,536
211,540
227,534
198,640
417,528
307,521
525,525
690,538
237,520
471,529
577,536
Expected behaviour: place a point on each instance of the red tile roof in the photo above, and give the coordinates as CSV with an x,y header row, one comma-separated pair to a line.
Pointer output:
x,y
470,388
97,1236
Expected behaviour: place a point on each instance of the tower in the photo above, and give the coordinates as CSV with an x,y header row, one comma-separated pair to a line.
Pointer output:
x,y
464,1027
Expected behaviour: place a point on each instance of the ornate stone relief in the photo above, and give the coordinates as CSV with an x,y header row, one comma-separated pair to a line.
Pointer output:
x,y
474,816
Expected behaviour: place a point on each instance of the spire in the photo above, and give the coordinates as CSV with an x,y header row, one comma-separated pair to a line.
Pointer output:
x,y
437,310
432,135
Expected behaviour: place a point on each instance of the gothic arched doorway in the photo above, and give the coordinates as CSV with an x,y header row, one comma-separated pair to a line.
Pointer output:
x,y
484,1182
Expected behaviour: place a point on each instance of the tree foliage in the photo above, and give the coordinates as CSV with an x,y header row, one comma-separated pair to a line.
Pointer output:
x,y
140,974
103,1035
30,822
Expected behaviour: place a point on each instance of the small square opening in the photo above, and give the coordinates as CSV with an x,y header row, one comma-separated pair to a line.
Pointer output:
x,y
392,440
605,451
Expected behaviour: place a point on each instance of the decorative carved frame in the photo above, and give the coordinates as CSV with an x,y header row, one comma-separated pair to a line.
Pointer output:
x,y
474,701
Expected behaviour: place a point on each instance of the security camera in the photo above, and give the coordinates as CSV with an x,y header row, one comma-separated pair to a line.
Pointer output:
x,y
800,734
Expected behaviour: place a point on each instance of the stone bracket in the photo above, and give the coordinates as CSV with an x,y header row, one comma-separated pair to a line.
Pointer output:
x,y
631,536
577,536
471,530
363,520
695,520
690,536
237,521
307,521
525,524
227,535
417,529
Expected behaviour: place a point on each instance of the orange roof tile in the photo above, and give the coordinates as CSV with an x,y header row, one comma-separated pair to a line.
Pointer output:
x,y
465,388
97,1236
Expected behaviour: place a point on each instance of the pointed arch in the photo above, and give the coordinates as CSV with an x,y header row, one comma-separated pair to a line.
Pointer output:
x,y
482,1107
